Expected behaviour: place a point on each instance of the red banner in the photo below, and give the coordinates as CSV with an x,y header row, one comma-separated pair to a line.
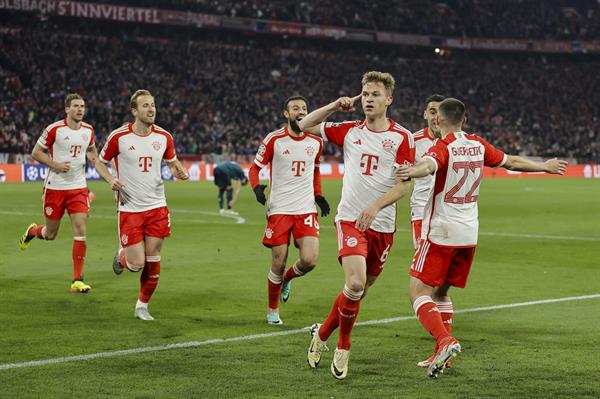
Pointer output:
x,y
11,173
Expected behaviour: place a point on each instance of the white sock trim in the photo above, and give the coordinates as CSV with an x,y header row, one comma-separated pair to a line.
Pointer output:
x,y
351,294
152,258
297,271
420,301
79,238
445,307
275,278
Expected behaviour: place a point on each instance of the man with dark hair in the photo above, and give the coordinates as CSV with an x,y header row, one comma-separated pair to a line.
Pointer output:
x,y
68,143
144,222
229,177
295,188
450,223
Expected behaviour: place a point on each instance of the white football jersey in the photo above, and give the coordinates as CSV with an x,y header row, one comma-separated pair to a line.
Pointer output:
x,y
370,158
451,215
423,186
138,163
293,161
67,145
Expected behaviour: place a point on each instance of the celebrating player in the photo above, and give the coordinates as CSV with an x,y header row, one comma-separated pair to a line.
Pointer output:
x,y
295,187
366,215
450,224
422,187
68,142
138,149
229,178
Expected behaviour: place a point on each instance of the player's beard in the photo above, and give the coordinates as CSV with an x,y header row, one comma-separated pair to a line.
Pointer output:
x,y
294,125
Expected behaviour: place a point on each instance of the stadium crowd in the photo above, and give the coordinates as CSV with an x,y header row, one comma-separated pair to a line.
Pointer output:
x,y
223,96
525,19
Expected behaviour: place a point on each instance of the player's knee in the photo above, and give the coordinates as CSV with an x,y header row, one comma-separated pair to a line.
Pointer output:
x,y
356,285
308,262
50,235
134,267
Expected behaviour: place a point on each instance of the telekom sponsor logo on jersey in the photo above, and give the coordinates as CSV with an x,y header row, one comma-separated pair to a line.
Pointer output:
x,y
75,150
368,163
298,167
145,163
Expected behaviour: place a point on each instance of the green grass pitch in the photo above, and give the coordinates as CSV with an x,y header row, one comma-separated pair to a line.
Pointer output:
x,y
213,286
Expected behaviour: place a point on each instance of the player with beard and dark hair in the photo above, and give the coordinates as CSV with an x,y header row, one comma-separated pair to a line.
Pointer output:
x,y
295,188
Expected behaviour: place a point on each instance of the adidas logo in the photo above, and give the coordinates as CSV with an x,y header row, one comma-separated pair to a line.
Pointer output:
x,y
132,148
286,152
358,142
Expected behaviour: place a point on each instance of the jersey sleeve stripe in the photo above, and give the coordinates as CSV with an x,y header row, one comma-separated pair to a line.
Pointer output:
x,y
261,165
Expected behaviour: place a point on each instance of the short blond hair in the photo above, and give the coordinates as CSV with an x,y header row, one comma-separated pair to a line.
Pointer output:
x,y
133,102
385,78
70,97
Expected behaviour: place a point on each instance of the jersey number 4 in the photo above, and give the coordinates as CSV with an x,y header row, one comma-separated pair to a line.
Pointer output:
x,y
312,221
466,167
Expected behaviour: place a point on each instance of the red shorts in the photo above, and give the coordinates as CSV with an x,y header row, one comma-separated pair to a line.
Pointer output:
x,y
279,228
416,231
133,226
372,245
56,201
435,264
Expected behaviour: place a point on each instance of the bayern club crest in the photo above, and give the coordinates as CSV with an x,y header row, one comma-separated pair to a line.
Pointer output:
x,y
124,239
156,145
388,144
310,151
269,232
49,210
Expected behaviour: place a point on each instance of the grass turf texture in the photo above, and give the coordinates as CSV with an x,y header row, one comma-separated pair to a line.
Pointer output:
x,y
213,285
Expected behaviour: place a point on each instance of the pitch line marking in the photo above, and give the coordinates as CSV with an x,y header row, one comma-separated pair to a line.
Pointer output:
x,y
196,344
241,220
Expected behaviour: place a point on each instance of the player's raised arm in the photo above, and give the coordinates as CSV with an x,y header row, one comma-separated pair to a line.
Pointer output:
x,y
553,166
311,122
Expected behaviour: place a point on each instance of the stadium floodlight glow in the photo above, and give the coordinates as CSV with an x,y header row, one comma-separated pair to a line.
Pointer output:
x,y
437,50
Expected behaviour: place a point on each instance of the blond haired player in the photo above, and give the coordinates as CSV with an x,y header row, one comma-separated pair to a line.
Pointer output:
x,y
366,214
295,189
68,142
450,224
137,149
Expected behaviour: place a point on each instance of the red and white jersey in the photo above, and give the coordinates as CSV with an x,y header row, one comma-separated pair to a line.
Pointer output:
x,y
423,186
67,145
138,162
370,158
451,212
293,161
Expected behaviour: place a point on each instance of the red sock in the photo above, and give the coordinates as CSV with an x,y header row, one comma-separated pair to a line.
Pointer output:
x,y
275,283
149,278
292,273
348,310
332,321
36,232
79,249
429,316
446,311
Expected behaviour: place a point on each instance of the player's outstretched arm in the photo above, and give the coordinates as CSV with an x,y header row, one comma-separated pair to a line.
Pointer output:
x,y
368,215
177,169
553,166
40,155
114,183
311,122
423,168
